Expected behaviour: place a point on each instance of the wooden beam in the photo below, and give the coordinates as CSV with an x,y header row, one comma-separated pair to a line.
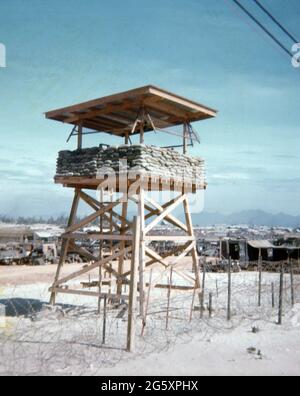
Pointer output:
x,y
98,237
99,112
170,218
123,245
92,217
165,108
185,137
141,216
171,206
100,205
152,254
85,253
79,137
133,287
173,287
191,106
174,238
177,250
89,201
86,293
65,243
194,251
173,264
159,209
90,267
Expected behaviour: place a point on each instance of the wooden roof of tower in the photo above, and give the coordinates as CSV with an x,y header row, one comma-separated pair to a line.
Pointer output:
x,y
117,113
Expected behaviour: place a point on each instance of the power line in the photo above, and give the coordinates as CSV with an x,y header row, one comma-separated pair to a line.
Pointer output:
x,y
254,27
264,28
276,21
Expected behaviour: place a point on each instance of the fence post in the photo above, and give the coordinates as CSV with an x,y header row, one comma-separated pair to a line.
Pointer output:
x,y
210,304
292,284
193,302
273,294
229,291
280,309
104,320
169,298
132,304
260,278
203,288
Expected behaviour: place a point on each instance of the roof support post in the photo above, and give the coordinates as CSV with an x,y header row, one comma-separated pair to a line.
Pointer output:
x,y
79,137
142,130
185,134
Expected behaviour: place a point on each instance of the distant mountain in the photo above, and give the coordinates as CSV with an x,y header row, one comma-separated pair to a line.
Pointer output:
x,y
248,217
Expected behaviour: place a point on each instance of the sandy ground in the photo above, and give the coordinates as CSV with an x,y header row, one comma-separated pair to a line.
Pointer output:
x,y
36,339
26,275
226,355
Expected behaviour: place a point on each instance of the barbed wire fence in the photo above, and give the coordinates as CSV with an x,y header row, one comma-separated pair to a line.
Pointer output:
x,y
37,339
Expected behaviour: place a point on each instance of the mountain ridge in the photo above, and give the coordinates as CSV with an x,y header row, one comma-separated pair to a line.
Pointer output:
x,y
247,217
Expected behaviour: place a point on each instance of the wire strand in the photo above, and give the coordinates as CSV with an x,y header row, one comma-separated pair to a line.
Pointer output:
x,y
251,16
263,8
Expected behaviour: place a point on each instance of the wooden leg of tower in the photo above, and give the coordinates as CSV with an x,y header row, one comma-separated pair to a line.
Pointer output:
x,y
194,250
65,242
142,255
122,247
100,258
133,285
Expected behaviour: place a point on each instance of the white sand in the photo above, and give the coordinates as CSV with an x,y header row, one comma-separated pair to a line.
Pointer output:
x,y
68,340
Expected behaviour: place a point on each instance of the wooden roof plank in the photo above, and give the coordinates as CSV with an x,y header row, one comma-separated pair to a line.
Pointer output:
x,y
112,113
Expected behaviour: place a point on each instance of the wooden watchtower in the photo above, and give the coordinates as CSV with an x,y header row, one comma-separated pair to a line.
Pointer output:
x,y
136,112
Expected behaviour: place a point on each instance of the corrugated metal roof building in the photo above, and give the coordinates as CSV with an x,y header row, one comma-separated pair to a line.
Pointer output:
x,y
14,234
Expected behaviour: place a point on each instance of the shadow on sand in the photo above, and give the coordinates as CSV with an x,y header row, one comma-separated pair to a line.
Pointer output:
x,y
15,307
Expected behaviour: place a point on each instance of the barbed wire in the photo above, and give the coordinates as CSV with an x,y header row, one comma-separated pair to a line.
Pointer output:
x,y
67,339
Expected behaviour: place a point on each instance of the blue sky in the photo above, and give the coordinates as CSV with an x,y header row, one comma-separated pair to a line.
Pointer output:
x,y
66,51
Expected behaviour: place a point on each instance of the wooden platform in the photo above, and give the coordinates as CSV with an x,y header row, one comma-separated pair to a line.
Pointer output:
x,y
117,113
124,185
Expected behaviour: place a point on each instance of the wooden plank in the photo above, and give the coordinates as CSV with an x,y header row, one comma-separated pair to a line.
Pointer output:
x,y
173,264
139,96
141,216
174,287
171,206
100,205
100,112
185,138
91,218
133,287
195,257
98,237
85,293
170,218
149,285
151,253
90,202
173,238
65,243
123,245
90,267
79,137
177,250
83,252
92,183
166,109
188,104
